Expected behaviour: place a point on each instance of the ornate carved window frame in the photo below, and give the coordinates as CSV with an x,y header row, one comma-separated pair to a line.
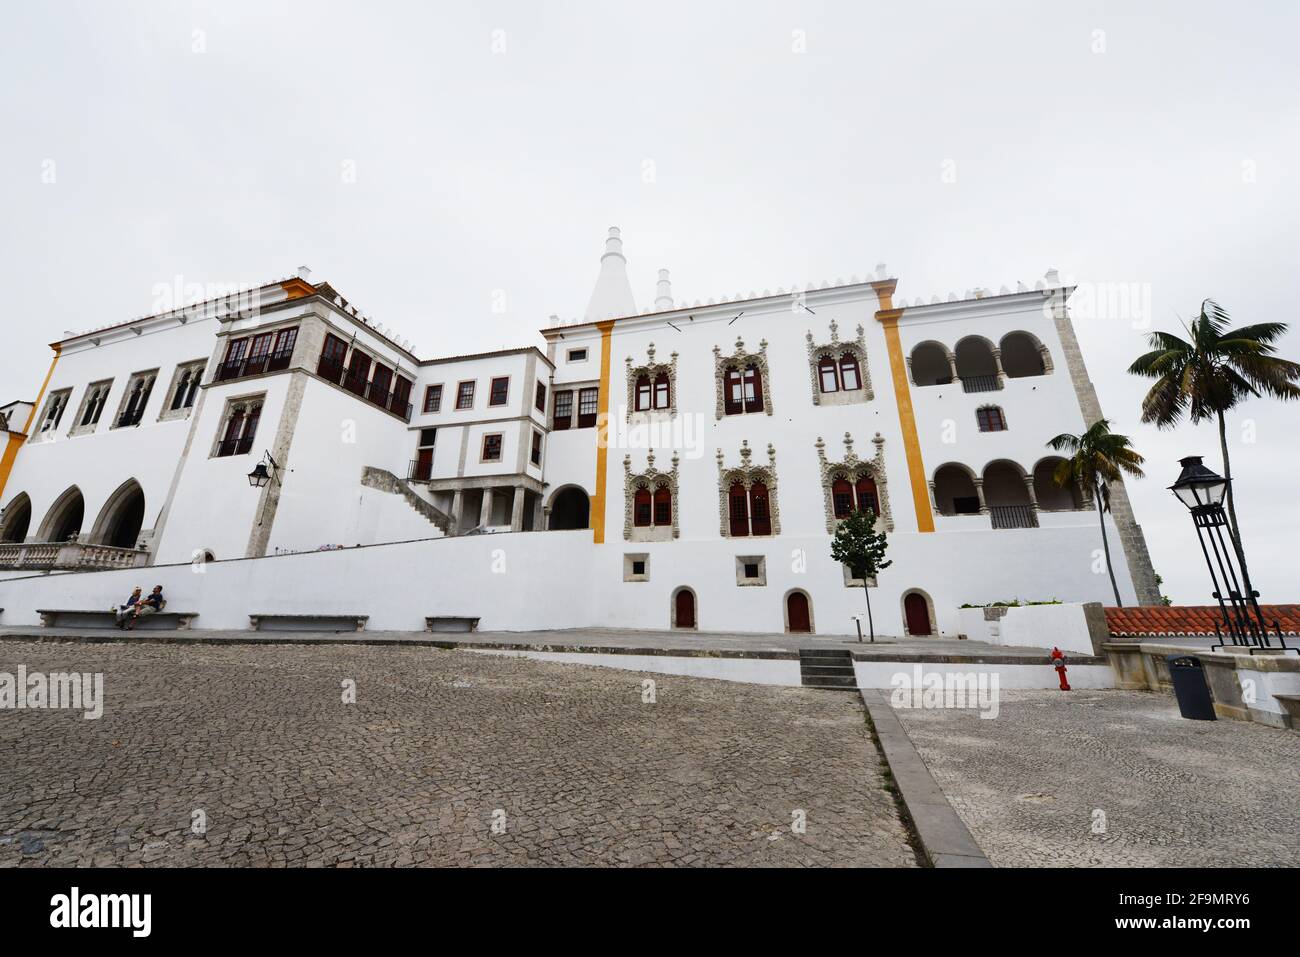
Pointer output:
x,y
650,479
837,349
651,369
748,474
741,358
853,468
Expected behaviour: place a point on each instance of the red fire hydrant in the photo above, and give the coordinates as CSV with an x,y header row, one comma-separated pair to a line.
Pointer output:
x,y
1058,656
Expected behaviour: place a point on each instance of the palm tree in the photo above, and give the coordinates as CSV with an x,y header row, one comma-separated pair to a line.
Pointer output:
x,y
1094,460
1215,371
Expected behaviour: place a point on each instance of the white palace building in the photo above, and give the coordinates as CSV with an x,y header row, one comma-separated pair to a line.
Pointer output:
x,y
276,453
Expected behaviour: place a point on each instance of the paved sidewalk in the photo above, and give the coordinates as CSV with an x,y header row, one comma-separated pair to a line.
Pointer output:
x,y
588,640
1116,779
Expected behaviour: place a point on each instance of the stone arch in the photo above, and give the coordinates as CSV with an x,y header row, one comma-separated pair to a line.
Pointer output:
x,y
955,489
65,517
684,596
569,508
976,358
931,363
1050,495
17,519
1023,354
1008,492
795,594
121,519
923,595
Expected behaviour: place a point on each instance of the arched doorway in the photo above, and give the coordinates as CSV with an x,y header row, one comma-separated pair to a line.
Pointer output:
x,y
798,613
570,508
684,608
64,518
930,365
121,518
916,614
17,519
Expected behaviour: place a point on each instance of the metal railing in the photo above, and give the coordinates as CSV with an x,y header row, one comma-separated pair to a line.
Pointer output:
x,y
240,446
253,365
1013,516
419,471
980,383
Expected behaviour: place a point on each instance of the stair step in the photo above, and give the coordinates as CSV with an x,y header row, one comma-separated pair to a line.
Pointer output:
x,y
830,681
827,670
819,653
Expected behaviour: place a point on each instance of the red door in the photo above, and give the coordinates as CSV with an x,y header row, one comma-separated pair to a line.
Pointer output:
x,y
685,609
796,607
918,615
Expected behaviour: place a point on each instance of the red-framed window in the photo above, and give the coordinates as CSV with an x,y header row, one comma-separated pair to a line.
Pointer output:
x,y
663,506
285,340
536,456
760,519
663,397
236,349
868,500
331,358
492,448
842,497
991,419
644,394
540,400
381,381
828,378
401,396
588,403
642,508
742,390
738,508
358,373
499,394
562,418
850,374
465,395
432,399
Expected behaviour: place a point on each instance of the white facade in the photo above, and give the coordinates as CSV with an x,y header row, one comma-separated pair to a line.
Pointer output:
x,y
366,445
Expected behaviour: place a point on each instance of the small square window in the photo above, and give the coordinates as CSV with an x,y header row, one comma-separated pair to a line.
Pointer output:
x,y
751,570
427,437
492,447
636,567
577,355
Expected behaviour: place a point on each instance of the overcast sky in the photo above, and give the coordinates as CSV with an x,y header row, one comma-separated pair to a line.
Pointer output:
x,y
430,159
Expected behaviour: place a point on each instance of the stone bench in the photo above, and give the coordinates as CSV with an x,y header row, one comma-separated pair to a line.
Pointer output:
x,y
307,622
93,618
450,623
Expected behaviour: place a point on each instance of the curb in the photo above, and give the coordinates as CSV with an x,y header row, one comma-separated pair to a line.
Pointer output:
x,y
944,837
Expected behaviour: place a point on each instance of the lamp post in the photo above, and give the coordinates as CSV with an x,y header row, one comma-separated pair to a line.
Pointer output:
x,y
1203,491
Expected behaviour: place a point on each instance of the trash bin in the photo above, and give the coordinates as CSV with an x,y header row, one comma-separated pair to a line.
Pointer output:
x,y
1190,687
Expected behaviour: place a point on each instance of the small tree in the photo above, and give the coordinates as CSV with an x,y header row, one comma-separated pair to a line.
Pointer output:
x,y
858,545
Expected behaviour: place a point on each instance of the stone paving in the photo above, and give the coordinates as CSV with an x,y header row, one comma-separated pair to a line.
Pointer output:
x,y
445,758
1030,783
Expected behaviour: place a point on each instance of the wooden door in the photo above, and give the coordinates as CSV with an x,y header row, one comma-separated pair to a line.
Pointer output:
x,y
796,607
685,617
918,615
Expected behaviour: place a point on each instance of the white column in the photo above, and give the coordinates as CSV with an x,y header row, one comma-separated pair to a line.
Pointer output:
x,y
457,510
485,513
517,510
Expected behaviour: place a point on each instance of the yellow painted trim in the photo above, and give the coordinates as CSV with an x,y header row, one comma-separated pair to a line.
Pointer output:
x,y
602,435
888,318
16,441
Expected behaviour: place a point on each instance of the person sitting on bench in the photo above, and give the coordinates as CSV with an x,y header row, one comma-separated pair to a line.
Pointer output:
x,y
149,606
122,612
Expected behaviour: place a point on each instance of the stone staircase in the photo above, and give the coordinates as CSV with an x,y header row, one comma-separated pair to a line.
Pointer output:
x,y
386,481
828,668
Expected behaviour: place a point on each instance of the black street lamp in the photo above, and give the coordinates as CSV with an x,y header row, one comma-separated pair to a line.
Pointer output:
x,y
1203,491
260,477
